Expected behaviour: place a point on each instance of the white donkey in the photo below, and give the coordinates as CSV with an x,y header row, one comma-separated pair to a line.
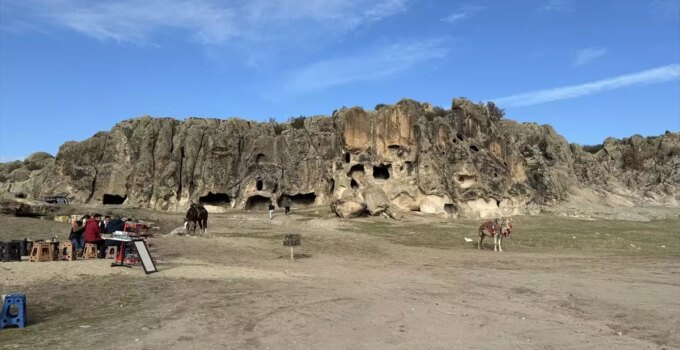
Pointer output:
x,y
497,229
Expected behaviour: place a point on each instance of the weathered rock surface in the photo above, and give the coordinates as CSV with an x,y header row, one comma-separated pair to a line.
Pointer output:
x,y
407,157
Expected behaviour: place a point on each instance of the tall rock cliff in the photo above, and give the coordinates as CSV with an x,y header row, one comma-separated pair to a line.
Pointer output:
x,y
408,156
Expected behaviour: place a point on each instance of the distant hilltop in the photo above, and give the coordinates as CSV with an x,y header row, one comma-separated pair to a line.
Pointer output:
x,y
467,161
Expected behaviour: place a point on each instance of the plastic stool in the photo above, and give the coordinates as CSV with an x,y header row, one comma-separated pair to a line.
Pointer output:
x,y
90,251
111,252
40,252
18,319
66,251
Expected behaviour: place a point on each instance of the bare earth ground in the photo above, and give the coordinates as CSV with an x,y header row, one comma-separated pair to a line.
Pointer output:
x,y
364,284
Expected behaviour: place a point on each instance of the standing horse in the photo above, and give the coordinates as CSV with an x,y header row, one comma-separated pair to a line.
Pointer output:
x,y
196,215
497,229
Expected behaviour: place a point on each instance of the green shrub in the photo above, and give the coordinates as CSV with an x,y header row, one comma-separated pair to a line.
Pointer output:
x,y
278,128
494,112
435,112
298,123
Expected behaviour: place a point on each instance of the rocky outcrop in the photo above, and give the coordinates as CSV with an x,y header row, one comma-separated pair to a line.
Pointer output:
x,y
408,156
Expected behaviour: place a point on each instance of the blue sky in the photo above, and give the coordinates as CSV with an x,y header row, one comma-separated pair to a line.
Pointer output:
x,y
592,69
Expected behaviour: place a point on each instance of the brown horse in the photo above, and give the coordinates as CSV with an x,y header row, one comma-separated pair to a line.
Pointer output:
x,y
498,229
196,215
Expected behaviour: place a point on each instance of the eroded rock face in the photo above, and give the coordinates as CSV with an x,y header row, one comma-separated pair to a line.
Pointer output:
x,y
408,157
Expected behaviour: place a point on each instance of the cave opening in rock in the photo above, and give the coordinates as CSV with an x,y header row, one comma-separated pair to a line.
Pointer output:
x,y
260,159
259,185
353,184
257,203
214,199
396,150
460,136
347,157
113,199
300,199
498,202
356,169
381,172
474,148
450,208
409,168
331,185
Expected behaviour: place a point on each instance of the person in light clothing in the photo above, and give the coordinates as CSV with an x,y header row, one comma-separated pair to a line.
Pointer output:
x,y
271,210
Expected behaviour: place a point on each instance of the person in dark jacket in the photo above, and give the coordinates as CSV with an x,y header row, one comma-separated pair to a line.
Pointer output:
x,y
104,224
93,235
286,204
116,224
76,234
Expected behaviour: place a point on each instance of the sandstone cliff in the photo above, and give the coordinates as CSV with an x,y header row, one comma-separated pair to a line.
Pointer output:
x,y
407,156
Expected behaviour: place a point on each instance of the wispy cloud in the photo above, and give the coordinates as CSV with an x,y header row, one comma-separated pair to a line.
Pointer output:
x,y
207,21
556,6
382,62
651,76
587,55
464,11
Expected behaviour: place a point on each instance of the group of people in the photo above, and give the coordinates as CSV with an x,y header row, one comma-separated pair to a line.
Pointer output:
x,y
286,203
89,229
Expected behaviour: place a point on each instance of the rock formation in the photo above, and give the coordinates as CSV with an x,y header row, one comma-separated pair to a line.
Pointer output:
x,y
404,157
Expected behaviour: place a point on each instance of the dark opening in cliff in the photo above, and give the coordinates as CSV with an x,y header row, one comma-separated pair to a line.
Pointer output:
x,y
381,172
409,168
300,200
214,199
356,170
498,202
259,185
347,157
331,185
353,184
474,148
257,203
450,208
260,159
460,136
396,150
113,199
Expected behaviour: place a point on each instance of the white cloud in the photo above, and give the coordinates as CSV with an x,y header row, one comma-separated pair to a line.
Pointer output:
x,y
380,63
587,55
651,76
556,6
464,11
208,21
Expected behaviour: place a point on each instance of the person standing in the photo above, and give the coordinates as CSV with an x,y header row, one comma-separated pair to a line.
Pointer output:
x,y
286,204
76,234
93,235
271,210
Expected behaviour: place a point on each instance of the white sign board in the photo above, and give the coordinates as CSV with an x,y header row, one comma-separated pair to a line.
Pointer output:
x,y
143,251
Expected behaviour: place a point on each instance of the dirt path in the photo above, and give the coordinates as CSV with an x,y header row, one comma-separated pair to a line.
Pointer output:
x,y
357,285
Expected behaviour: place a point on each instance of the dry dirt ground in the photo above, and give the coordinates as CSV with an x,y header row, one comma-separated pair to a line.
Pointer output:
x,y
369,283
